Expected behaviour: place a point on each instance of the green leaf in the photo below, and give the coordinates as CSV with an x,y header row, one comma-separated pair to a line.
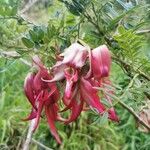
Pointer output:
x,y
27,42
121,29
51,31
40,34
2,100
33,35
14,10
104,119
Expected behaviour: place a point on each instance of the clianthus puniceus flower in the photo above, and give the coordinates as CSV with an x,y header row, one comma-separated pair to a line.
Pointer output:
x,y
42,95
83,72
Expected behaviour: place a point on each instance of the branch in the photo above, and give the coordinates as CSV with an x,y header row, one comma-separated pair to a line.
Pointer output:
x,y
14,54
86,15
133,113
29,135
125,64
130,110
28,6
143,31
9,54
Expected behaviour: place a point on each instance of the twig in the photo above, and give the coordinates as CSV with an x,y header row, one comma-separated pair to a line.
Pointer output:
x,y
9,54
131,111
28,6
40,144
29,135
134,114
125,64
129,86
89,18
143,31
14,54
25,62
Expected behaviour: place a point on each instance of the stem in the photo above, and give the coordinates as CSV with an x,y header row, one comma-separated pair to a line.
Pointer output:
x,y
28,6
131,111
143,31
29,135
127,65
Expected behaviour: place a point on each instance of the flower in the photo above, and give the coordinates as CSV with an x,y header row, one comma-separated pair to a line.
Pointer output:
x,y
81,84
83,72
42,95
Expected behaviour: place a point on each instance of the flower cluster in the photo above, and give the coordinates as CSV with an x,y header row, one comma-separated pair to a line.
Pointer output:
x,y
82,72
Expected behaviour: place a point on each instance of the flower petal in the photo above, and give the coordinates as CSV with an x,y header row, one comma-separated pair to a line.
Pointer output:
x,y
57,72
50,111
111,111
28,88
66,100
71,78
39,111
31,116
77,107
75,55
100,61
89,95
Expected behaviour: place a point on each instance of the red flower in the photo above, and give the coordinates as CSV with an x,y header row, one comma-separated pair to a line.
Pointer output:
x,y
82,85
84,72
42,95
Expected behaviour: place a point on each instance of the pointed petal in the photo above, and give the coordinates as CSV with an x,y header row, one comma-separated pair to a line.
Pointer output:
x,y
89,95
39,111
49,110
66,100
28,88
71,78
77,107
112,115
31,116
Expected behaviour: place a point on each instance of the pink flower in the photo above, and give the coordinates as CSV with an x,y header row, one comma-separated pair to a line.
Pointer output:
x,y
75,55
80,83
42,95
81,72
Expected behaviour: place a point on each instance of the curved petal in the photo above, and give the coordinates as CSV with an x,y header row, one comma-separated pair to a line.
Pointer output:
x,y
39,111
77,107
50,115
89,95
66,100
69,103
31,116
71,78
100,61
75,55
57,72
28,88
37,81
112,114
